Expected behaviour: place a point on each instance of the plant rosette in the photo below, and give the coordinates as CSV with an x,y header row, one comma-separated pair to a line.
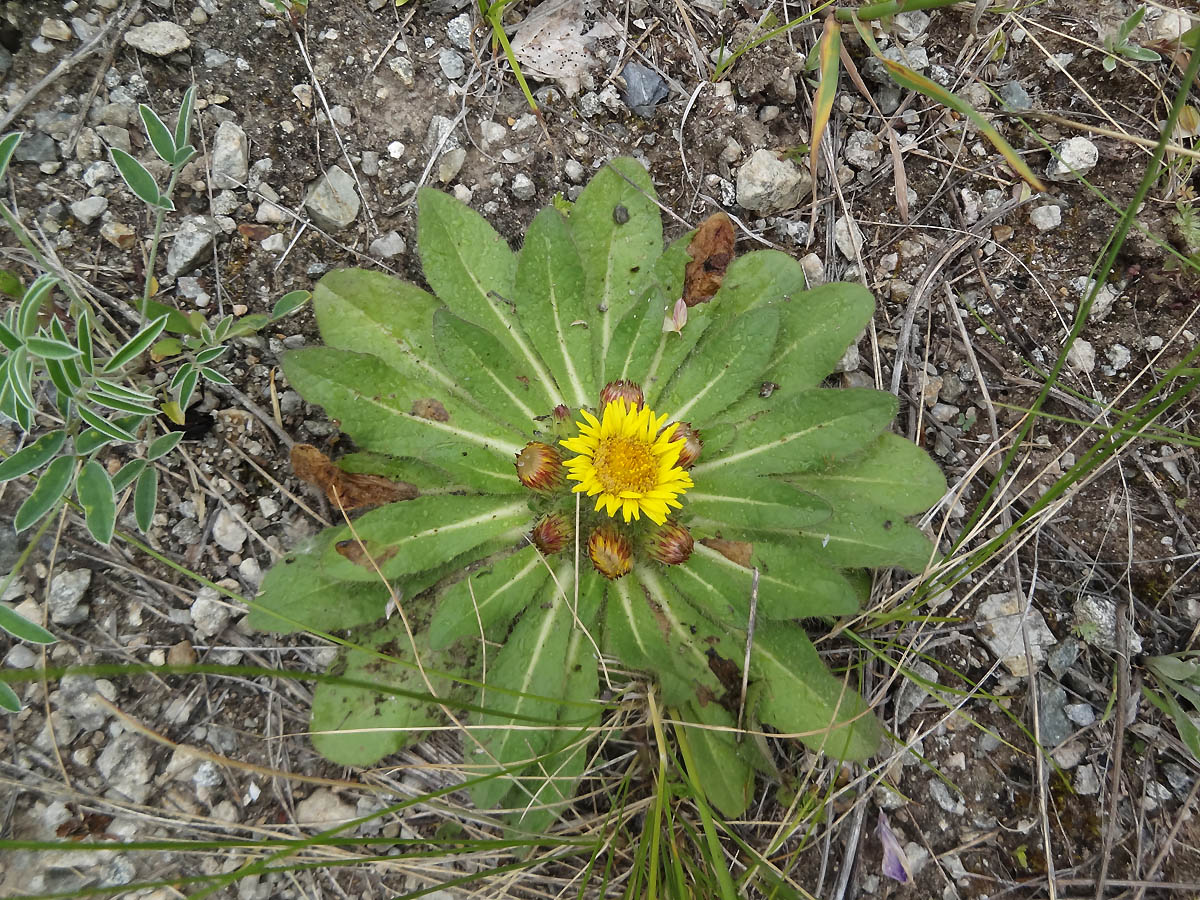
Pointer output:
x,y
599,453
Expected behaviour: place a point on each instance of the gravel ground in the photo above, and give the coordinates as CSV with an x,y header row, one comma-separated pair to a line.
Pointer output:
x,y
314,140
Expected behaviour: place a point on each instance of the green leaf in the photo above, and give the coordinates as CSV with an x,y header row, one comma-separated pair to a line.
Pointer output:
x,y
46,494
796,694
33,457
136,345
104,426
618,230
358,726
371,312
95,492
31,304
48,348
648,626
1188,732
385,412
9,699
792,584
809,429
21,628
722,771
120,392
420,534
9,339
549,295
58,376
1172,667
567,752
289,303
83,336
638,338
744,505
187,385
135,175
127,473
490,598
90,440
484,368
183,121
859,533
298,594
160,138
1140,54
206,356
525,679
8,146
164,444
212,375
472,270
119,404
145,498
893,473
726,364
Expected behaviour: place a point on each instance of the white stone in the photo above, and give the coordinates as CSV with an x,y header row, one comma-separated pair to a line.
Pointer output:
x,y
767,184
909,26
56,30
269,213
458,30
66,591
1073,159
1087,782
332,201
1045,218
158,38
573,169
1096,623
274,243
230,156
227,531
1168,27
1001,623
523,187
848,237
491,133
1103,302
388,245
193,244
451,64
89,209
323,807
451,164
814,269
863,150
1082,356
126,765
1118,356
20,657
209,613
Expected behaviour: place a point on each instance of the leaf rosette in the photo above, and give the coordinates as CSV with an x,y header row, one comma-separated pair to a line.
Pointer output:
x,y
600,468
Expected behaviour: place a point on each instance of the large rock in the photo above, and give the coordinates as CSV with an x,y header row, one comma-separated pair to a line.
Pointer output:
x,y
230,156
158,38
332,201
767,184
1002,620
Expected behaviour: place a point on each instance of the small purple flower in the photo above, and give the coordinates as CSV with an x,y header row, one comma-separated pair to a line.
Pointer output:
x,y
895,863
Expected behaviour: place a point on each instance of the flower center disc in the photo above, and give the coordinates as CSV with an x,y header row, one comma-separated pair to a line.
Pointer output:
x,y
625,464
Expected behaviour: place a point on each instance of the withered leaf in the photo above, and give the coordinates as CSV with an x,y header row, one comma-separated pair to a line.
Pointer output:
x,y
93,824
353,551
352,490
711,251
430,409
734,551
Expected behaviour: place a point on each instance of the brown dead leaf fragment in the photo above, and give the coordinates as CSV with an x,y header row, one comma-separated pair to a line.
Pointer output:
x,y
353,551
735,551
352,490
711,251
430,409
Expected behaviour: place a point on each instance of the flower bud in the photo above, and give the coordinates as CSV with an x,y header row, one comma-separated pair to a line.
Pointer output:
x,y
692,445
671,544
539,467
610,551
626,390
562,413
552,533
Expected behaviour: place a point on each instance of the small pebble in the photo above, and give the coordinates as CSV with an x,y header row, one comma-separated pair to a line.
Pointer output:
x,y
523,188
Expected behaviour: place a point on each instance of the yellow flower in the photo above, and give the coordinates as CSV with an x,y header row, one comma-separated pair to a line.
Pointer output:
x,y
628,461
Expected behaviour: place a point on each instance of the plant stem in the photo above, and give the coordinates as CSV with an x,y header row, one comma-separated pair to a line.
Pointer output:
x,y
158,222
888,8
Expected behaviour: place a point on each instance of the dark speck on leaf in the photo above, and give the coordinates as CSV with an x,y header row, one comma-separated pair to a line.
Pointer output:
x,y
767,389
887,525
620,214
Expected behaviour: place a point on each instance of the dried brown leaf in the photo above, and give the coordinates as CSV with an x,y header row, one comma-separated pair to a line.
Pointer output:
x,y
349,489
711,251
